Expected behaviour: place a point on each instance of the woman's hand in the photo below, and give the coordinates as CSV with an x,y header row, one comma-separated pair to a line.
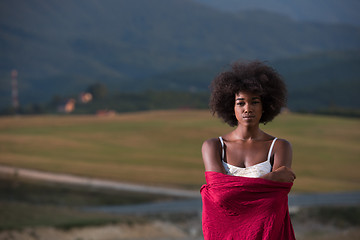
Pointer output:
x,y
282,174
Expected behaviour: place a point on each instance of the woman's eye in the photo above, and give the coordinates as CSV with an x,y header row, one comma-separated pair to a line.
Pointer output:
x,y
256,102
241,103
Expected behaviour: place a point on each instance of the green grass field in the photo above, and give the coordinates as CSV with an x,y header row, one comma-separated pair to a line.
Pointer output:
x,y
164,147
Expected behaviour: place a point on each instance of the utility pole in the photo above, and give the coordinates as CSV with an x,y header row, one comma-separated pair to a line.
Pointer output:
x,y
14,92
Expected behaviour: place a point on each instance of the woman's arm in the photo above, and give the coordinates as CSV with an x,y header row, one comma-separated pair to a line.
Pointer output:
x,y
211,154
282,163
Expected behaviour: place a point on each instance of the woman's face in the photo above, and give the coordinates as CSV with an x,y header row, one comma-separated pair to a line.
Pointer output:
x,y
248,108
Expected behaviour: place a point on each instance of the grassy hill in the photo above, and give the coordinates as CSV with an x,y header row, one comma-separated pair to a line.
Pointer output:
x,y
163,147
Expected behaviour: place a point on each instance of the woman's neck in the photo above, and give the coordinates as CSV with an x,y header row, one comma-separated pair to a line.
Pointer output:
x,y
247,133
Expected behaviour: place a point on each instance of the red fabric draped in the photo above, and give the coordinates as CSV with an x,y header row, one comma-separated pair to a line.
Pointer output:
x,y
244,208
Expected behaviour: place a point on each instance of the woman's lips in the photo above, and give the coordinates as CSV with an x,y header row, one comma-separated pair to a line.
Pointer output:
x,y
249,117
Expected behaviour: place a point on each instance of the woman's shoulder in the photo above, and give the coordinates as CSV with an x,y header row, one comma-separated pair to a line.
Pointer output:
x,y
279,142
211,149
211,143
283,143
211,154
282,153
280,145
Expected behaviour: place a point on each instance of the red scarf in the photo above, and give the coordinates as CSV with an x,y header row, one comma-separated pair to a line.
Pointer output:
x,y
241,208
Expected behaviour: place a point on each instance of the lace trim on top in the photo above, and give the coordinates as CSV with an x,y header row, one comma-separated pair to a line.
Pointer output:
x,y
253,171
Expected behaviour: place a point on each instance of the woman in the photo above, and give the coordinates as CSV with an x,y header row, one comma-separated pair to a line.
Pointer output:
x,y
248,171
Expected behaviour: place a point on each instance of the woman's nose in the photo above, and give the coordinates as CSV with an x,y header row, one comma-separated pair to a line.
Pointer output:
x,y
247,108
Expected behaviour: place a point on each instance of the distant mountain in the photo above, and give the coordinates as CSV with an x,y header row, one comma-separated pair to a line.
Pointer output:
x,y
327,11
322,80
315,81
61,47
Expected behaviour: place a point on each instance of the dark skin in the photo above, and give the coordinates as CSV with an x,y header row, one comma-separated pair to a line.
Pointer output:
x,y
248,145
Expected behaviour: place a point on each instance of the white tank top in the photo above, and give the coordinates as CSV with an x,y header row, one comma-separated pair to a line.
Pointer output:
x,y
254,171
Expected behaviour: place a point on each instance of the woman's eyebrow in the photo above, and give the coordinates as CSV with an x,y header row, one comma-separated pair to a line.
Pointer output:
x,y
239,99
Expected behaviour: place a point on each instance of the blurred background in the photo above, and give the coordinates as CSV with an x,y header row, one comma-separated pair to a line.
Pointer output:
x,y
118,90
133,52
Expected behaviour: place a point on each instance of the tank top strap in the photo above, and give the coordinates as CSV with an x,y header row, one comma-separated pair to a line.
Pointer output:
x,y
271,148
222,149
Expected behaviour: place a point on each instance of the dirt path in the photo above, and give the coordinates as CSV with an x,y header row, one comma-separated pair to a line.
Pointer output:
x,y
191,205
92,182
